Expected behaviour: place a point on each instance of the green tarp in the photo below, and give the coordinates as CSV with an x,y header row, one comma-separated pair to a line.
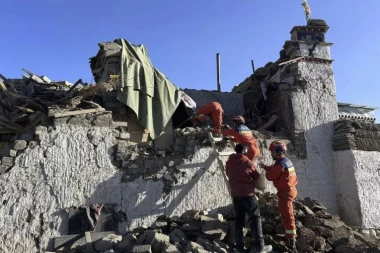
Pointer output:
x,y
145,89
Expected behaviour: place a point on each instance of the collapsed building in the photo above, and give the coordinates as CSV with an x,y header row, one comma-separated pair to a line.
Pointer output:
x,y
118,155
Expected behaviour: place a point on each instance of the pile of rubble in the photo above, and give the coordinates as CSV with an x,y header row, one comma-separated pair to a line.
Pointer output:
x,y
202,232
25,102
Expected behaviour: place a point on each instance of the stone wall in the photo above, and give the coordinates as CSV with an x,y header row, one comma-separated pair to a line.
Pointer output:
x,y
71,164
358,186
310,109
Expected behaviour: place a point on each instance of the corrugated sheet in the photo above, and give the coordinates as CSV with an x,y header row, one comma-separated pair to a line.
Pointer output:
x,y
232,103
356,111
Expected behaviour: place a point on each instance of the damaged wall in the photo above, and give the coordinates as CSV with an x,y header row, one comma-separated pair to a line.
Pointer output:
x,y
70,165
308,111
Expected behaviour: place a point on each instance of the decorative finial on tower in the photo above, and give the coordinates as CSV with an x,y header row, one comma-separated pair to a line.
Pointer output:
x,y
307,10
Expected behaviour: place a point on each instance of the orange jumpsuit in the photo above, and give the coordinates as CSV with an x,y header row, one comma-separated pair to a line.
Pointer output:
x,y
284,178
215,111
243,135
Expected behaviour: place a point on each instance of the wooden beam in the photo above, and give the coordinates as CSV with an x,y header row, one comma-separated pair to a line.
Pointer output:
x,y
77,112
88,241
6,81
7,94
73,87
226,153
5,122
32,124
6,130
291,61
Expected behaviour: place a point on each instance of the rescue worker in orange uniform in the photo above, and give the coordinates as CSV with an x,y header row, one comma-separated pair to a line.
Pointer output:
x,y
284,178
243,135
213,110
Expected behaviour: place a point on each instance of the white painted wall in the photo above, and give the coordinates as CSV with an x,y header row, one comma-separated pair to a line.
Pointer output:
x,y
315,109
68,170
358,186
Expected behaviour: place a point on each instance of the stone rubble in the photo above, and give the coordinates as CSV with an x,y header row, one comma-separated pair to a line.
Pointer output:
x,y
202,232
29,101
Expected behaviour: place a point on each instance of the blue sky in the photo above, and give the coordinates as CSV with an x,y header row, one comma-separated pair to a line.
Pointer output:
x,y
56,38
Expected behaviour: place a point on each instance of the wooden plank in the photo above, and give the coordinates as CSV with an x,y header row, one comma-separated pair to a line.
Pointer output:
x,y
24,109
5,122
5,130
28,72
6,81
77,112
7,94
88,241
226,153
73,87
291,61
35,122
5,105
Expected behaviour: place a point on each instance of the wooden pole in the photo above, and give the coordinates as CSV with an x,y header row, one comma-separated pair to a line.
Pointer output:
x,y
218,71
253,67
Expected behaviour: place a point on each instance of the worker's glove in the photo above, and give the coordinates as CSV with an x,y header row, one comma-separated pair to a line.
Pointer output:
x,y
226,127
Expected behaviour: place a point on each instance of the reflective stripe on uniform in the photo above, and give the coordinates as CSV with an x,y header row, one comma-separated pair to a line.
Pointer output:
x,y
291,169
245,132
290,232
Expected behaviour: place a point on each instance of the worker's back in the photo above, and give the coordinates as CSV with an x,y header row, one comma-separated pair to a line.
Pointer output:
x,y
241,173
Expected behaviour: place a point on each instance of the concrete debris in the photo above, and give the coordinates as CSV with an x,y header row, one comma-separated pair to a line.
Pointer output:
x,y
197,231
142,249
107,243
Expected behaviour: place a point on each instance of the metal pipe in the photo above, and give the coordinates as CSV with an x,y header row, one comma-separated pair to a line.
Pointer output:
x,y
218,71
253,67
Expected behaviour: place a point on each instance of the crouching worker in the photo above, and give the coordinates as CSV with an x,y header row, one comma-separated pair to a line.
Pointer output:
x,y
242,173
242,134
284,178
213,110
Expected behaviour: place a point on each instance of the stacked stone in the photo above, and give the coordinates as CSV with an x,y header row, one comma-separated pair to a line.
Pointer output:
x,y
142,160
203,232
356,135
188,139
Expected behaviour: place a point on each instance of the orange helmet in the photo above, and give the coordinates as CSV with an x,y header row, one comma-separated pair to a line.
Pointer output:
x,y
239,119
278,146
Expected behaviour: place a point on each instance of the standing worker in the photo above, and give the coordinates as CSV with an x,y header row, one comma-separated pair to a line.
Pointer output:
x,y
284,178
242,173
242,134
213,110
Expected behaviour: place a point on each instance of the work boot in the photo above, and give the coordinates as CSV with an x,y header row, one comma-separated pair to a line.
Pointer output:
x,y
291,243
263,249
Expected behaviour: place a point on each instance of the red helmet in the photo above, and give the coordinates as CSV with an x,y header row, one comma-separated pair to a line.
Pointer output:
x,y
239,119
278,146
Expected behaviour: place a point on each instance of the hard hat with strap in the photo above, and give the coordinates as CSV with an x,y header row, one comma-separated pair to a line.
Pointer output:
x,y
278,146
239,119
